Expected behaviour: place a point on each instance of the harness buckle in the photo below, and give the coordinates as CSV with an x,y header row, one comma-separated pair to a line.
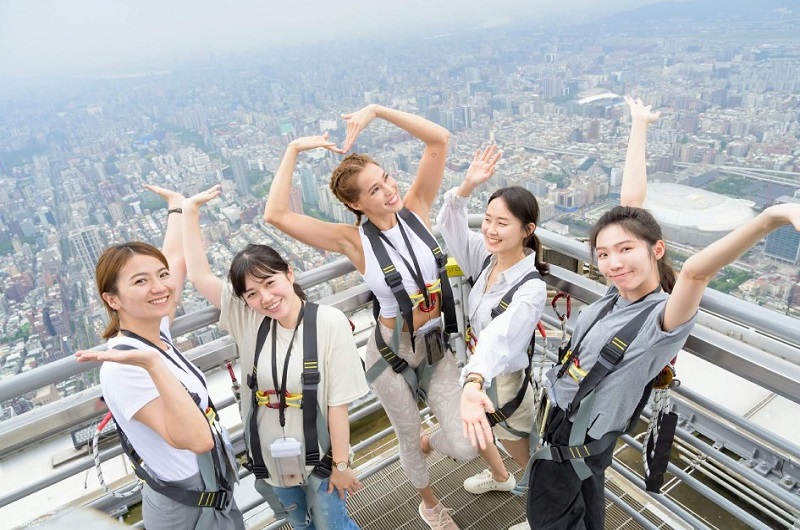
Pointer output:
x,y
558,457
310,377
400,367
394,279
252,382
614,351
221,500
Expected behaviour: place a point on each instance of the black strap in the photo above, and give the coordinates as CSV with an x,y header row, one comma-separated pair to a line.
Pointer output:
x,y
610,357
471,280
448,302
657,460
394,279
505,412
255,459
280,388
192,368
218,499
310,379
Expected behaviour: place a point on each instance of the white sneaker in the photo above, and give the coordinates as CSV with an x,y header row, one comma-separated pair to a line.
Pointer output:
x,y
520,526
438,517
483,482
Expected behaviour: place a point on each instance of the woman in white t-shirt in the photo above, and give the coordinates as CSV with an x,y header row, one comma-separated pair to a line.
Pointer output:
x,y
262,298
157,397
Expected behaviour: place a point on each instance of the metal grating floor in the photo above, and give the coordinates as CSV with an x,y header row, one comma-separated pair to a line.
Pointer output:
x,y
389,502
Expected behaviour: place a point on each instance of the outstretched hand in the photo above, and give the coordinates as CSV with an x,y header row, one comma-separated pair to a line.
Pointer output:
x,y
356,122
173,198
141,358
474,406
640,111
307,143
482,166
199,199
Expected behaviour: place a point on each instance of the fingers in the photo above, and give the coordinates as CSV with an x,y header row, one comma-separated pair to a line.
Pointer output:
x,y
473,438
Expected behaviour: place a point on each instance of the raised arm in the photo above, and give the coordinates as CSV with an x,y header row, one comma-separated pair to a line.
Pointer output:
x,y
335,237
465,245
197,267
698,270
431,168
172,248
634,175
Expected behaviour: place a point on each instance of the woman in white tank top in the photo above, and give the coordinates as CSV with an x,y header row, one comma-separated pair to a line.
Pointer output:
x,y
367,190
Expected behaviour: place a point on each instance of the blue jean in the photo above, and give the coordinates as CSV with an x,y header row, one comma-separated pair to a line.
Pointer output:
x,y
328,511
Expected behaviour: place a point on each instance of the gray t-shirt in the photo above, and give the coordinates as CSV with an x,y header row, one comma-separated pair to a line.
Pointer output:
x,y
619,392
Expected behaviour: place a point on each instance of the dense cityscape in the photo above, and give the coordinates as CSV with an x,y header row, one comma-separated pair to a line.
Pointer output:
x,y
73,161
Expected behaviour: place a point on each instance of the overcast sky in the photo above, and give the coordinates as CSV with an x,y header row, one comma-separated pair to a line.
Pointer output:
x,y
77,36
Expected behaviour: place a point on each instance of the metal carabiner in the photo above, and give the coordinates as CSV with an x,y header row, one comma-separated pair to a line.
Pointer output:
x,y
568,300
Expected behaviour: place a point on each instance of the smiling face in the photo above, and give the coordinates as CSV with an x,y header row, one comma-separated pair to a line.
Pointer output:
x,y
273,296
502,232
628,261
378,192
145,291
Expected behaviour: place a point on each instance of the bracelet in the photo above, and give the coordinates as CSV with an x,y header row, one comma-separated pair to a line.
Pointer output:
x,y
174,210
474,378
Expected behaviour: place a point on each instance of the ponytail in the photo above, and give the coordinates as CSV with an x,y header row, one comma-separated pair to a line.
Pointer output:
x,y
532,242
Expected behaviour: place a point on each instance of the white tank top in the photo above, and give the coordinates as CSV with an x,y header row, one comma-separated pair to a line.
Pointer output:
x,y
373,274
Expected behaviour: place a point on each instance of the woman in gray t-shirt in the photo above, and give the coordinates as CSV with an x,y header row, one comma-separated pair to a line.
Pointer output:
x,y
628,245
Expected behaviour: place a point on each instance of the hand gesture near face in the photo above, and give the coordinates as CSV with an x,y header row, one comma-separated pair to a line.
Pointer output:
x,y
356,122
640,111
307,143
482,166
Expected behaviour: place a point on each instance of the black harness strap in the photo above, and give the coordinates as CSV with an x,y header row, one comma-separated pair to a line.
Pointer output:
x,y
505,412
218,499
610,356
310,378
471,280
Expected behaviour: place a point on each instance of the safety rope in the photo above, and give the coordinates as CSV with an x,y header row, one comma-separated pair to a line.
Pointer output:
x,y
96,455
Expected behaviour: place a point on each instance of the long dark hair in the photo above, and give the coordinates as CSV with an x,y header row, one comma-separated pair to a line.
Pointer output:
x,y
260,262
106,274
523,205
641,224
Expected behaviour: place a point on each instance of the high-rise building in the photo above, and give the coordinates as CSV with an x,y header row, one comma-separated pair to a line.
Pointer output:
x,y
88,246
241,175
309,185
296,200
784,243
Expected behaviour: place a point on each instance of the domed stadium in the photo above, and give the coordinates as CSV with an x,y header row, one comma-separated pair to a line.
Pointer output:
x,y
693,216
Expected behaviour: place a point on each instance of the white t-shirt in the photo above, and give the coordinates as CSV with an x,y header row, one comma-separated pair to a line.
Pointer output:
x,y
127,389
342,377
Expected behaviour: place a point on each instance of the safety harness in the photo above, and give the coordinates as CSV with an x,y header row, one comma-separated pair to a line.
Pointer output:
x,y
315,430
418,378
501,414
217,467
579,410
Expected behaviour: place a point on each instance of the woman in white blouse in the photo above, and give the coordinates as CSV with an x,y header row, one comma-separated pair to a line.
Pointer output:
x,y
498,346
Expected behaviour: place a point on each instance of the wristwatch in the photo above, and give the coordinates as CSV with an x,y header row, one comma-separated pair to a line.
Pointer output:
x,y
342,466
474,378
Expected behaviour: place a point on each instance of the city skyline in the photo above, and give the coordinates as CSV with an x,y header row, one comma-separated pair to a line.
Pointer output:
x,y
84,37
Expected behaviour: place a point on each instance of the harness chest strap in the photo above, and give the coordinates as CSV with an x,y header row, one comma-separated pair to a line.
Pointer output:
x,y
315,432
418,378
509,408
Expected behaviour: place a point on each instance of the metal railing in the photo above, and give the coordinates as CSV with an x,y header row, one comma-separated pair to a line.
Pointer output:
x,y
767,462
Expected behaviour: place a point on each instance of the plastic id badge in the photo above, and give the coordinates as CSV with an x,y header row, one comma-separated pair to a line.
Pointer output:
x,y
290,461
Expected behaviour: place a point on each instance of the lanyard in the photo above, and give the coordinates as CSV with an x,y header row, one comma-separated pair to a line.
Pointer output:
x,y
574,352
281,391
192,369
416,270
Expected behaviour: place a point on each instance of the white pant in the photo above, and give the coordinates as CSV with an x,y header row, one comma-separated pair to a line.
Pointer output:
x,y
444,398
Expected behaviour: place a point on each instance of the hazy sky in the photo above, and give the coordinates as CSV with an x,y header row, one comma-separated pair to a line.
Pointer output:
x,y
75,36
